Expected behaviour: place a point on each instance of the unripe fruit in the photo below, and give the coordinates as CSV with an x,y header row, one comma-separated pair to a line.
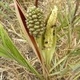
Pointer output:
x,y
35,21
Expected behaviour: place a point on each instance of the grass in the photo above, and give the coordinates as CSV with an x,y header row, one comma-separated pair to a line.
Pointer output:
x,y
65,60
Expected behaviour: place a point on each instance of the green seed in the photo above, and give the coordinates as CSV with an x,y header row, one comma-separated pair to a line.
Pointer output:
x,y
37,23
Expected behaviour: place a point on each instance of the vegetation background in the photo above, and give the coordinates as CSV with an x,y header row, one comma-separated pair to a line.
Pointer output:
x,y
68,39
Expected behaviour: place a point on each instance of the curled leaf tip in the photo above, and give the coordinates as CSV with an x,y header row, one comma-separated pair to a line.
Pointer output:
x,y
52,17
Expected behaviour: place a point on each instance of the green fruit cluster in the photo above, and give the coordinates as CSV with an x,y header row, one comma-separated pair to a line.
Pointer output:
x,y
35,21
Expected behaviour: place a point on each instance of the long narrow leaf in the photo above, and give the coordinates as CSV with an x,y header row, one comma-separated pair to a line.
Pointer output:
x,y
8,44
30,38
5,52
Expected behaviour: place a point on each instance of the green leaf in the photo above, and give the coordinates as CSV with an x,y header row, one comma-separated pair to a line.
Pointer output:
x,y
76,52
50,49
50,37
9,50
5,52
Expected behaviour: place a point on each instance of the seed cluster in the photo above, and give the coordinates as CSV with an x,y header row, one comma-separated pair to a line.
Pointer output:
x,y
35,21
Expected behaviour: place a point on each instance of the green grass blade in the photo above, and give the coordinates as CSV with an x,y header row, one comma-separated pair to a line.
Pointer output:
x,y
5,52
60,61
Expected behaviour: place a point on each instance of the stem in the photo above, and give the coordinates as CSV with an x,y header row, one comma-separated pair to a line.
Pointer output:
x,y
69,35
76,9
69,20
36,3
44,66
